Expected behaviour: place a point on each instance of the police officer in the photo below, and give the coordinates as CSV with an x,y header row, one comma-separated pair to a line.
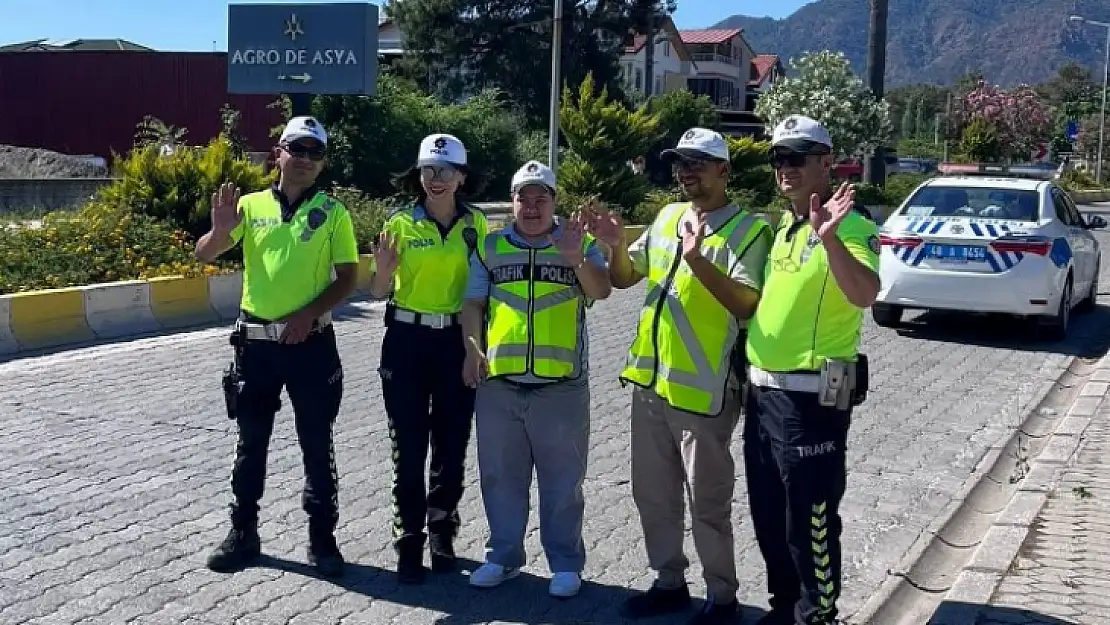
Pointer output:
x,y
525,325
704,262
804,376
294,237
422,262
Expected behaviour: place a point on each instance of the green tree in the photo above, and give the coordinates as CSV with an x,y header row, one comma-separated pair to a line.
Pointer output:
x,y
602,136
980,142
457,47
825,89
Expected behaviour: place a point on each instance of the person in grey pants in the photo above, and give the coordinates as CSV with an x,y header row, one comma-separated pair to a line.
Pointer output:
x,y
524,324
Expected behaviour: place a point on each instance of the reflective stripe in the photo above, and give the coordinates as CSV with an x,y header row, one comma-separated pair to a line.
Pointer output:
x,y
520,304
546,352
796,382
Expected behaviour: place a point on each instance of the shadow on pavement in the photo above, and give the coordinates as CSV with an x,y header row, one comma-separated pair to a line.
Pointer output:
x,y
523,599
1087,336
957,613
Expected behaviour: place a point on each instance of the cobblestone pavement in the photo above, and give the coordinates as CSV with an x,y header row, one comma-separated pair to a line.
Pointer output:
x,y
114,466
1062,574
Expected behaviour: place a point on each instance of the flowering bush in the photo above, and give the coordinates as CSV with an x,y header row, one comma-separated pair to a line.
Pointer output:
x,y
827,90
1019,118
97,244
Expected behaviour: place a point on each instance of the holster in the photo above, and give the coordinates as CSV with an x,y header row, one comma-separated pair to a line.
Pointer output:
x,y
862,381
233,376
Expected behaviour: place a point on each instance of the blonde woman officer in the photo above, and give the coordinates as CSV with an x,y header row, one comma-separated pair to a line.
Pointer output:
x,y
422,261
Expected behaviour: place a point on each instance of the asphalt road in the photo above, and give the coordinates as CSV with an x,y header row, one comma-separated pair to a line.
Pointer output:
x,y
114,479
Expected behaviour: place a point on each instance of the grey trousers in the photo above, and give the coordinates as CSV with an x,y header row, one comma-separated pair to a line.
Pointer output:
x,y
547,428
674,452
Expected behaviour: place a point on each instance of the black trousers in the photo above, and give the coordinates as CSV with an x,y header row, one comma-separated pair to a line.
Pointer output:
x,y
312,375
794,457
429,409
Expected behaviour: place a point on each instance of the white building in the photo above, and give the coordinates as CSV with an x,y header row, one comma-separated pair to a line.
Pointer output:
x,y
673,66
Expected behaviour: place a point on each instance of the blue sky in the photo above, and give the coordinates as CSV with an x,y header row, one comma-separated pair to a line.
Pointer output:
x,y
202,24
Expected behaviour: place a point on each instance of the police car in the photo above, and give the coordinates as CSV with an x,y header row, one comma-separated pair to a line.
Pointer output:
x,y
989,239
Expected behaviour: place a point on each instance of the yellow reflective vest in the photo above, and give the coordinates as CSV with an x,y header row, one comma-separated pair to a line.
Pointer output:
x,y
685,339
536,309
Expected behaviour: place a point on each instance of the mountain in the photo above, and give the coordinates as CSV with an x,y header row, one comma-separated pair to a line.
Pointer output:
x,y
937,41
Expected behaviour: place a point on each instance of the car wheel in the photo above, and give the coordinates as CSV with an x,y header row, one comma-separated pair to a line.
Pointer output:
x,y
886,315
1058,323
1091,300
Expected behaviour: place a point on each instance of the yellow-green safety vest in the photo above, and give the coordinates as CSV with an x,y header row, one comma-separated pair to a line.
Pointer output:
x,y
685,339
535,309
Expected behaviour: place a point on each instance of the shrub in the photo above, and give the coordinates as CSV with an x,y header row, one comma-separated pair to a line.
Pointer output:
x,y
372,138
751,169
178,187
1076,180
368,215
980,142
603,136
100,243
645,212
899,187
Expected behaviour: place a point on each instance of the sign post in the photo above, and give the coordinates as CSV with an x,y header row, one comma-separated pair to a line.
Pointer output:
x,y
302,50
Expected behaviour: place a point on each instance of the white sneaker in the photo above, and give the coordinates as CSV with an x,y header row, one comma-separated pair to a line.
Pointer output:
x,y
565,585
489,575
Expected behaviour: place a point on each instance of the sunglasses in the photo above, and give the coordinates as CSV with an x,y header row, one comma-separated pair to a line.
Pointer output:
x,y
298,150
446,174
791,159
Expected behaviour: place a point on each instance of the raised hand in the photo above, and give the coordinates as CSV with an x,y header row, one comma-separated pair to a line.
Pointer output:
x,y
569,239
225,208
692,237
826,219
604,225
386,254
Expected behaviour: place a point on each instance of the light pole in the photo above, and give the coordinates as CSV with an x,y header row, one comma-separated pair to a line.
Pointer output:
x,y
1105,76
556,69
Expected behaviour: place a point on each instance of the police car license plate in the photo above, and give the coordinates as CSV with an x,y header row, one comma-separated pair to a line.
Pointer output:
x,y
957,253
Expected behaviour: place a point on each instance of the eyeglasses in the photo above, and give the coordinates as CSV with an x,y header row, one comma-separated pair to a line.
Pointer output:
x,y
299,150
791,159
446,173
693,165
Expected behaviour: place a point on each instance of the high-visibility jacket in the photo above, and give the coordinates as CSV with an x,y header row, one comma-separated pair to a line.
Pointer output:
x,y
536,309
685,339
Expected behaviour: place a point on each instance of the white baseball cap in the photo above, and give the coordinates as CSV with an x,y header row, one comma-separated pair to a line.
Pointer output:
x,y
440,149
533,172
304,127
700,143
802,134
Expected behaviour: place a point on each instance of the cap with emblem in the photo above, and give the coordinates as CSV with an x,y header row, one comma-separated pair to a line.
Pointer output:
x,y
700,143
304,127
441,149
802,134
533,172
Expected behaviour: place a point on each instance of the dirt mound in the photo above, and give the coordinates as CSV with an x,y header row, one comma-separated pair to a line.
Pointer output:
x,y
16,162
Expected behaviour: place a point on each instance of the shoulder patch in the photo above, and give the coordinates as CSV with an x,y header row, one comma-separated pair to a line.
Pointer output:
x,y
873,244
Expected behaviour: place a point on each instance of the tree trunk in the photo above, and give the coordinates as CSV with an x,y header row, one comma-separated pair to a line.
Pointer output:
x,y
876,70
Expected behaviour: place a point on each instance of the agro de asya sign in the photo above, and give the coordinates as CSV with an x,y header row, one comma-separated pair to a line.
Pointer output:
x,y
302,48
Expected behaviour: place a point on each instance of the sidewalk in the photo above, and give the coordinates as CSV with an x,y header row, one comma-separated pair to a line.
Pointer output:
x,y
1062,572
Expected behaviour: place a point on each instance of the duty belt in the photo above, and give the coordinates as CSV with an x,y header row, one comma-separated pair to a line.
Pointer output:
x,y
796,382
436,321
273,331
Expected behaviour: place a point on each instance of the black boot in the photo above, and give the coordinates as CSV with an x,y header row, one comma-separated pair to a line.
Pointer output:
x,y
241,548
323,553
442,549
410,562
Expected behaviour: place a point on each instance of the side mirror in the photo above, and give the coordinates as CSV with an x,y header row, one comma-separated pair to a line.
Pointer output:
x,y
1096,221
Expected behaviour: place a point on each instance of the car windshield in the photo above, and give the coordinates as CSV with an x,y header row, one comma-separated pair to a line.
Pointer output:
x,y
986,203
